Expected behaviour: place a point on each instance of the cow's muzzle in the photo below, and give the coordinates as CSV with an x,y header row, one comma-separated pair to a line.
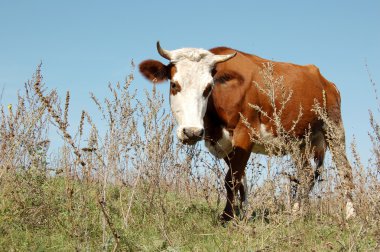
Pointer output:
x,y
191,135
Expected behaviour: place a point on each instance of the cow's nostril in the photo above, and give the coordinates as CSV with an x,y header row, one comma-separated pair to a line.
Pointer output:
x,y
186,132
200,132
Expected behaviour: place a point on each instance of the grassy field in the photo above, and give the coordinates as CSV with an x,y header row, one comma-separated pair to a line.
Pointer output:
x,y
37,215
132,187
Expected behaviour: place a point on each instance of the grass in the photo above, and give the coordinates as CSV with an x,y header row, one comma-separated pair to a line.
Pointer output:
x,y
134,188
39,220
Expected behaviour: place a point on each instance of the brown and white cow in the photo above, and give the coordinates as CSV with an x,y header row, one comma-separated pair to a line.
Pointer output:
x,y
210,93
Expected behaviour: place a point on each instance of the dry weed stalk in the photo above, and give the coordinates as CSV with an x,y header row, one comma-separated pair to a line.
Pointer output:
x,y
23,134
375,126
61,123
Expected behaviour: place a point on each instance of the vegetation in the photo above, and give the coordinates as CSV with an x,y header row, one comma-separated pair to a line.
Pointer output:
x,y
131,187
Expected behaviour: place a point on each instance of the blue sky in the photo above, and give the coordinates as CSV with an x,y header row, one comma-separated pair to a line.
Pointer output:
x,y
84,45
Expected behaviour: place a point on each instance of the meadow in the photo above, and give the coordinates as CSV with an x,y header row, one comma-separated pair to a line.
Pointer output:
x,y
130,186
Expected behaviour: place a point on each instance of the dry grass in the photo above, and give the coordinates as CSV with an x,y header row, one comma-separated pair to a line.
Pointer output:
x,y
131,186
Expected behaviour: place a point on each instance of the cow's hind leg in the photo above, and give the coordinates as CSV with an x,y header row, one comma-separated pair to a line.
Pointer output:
x,y
307,176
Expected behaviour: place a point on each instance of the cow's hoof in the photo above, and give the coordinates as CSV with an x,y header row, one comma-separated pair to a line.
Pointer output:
x,y
225,218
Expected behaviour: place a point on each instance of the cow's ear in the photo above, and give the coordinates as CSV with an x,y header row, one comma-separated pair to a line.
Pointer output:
x,y
154,71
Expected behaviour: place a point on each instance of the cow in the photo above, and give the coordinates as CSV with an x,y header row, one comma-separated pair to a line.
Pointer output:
x,y
210,96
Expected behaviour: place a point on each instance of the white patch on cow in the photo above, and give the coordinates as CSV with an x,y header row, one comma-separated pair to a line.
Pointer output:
x,y
350,210
192,54
266,136
264,133
193,74
222,147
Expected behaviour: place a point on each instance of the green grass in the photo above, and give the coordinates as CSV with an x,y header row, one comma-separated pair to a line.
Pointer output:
x,y
39,214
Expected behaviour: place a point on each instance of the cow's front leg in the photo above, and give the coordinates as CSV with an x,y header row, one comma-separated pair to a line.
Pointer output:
x,y
237,160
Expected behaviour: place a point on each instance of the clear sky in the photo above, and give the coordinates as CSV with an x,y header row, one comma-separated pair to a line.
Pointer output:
x,y
84,45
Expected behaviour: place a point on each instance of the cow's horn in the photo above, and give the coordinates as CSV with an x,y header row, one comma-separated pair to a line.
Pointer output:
x,y
222,58
164,53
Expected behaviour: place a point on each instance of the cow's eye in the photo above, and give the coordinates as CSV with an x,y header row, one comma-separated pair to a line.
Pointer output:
x,y
175,85
207,90
174,88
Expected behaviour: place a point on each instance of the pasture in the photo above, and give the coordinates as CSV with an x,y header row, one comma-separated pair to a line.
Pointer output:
x,y
132,187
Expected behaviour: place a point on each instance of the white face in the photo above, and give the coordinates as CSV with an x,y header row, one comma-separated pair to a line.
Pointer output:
x,y
190,88
191,83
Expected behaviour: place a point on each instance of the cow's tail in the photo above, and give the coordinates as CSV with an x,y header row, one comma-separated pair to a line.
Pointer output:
x,y
336,142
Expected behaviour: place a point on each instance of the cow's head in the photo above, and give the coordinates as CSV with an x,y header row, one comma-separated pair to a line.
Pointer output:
x,y
191,82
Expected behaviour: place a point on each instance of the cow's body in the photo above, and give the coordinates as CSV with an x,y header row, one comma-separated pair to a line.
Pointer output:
x,y
235,89
235,81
